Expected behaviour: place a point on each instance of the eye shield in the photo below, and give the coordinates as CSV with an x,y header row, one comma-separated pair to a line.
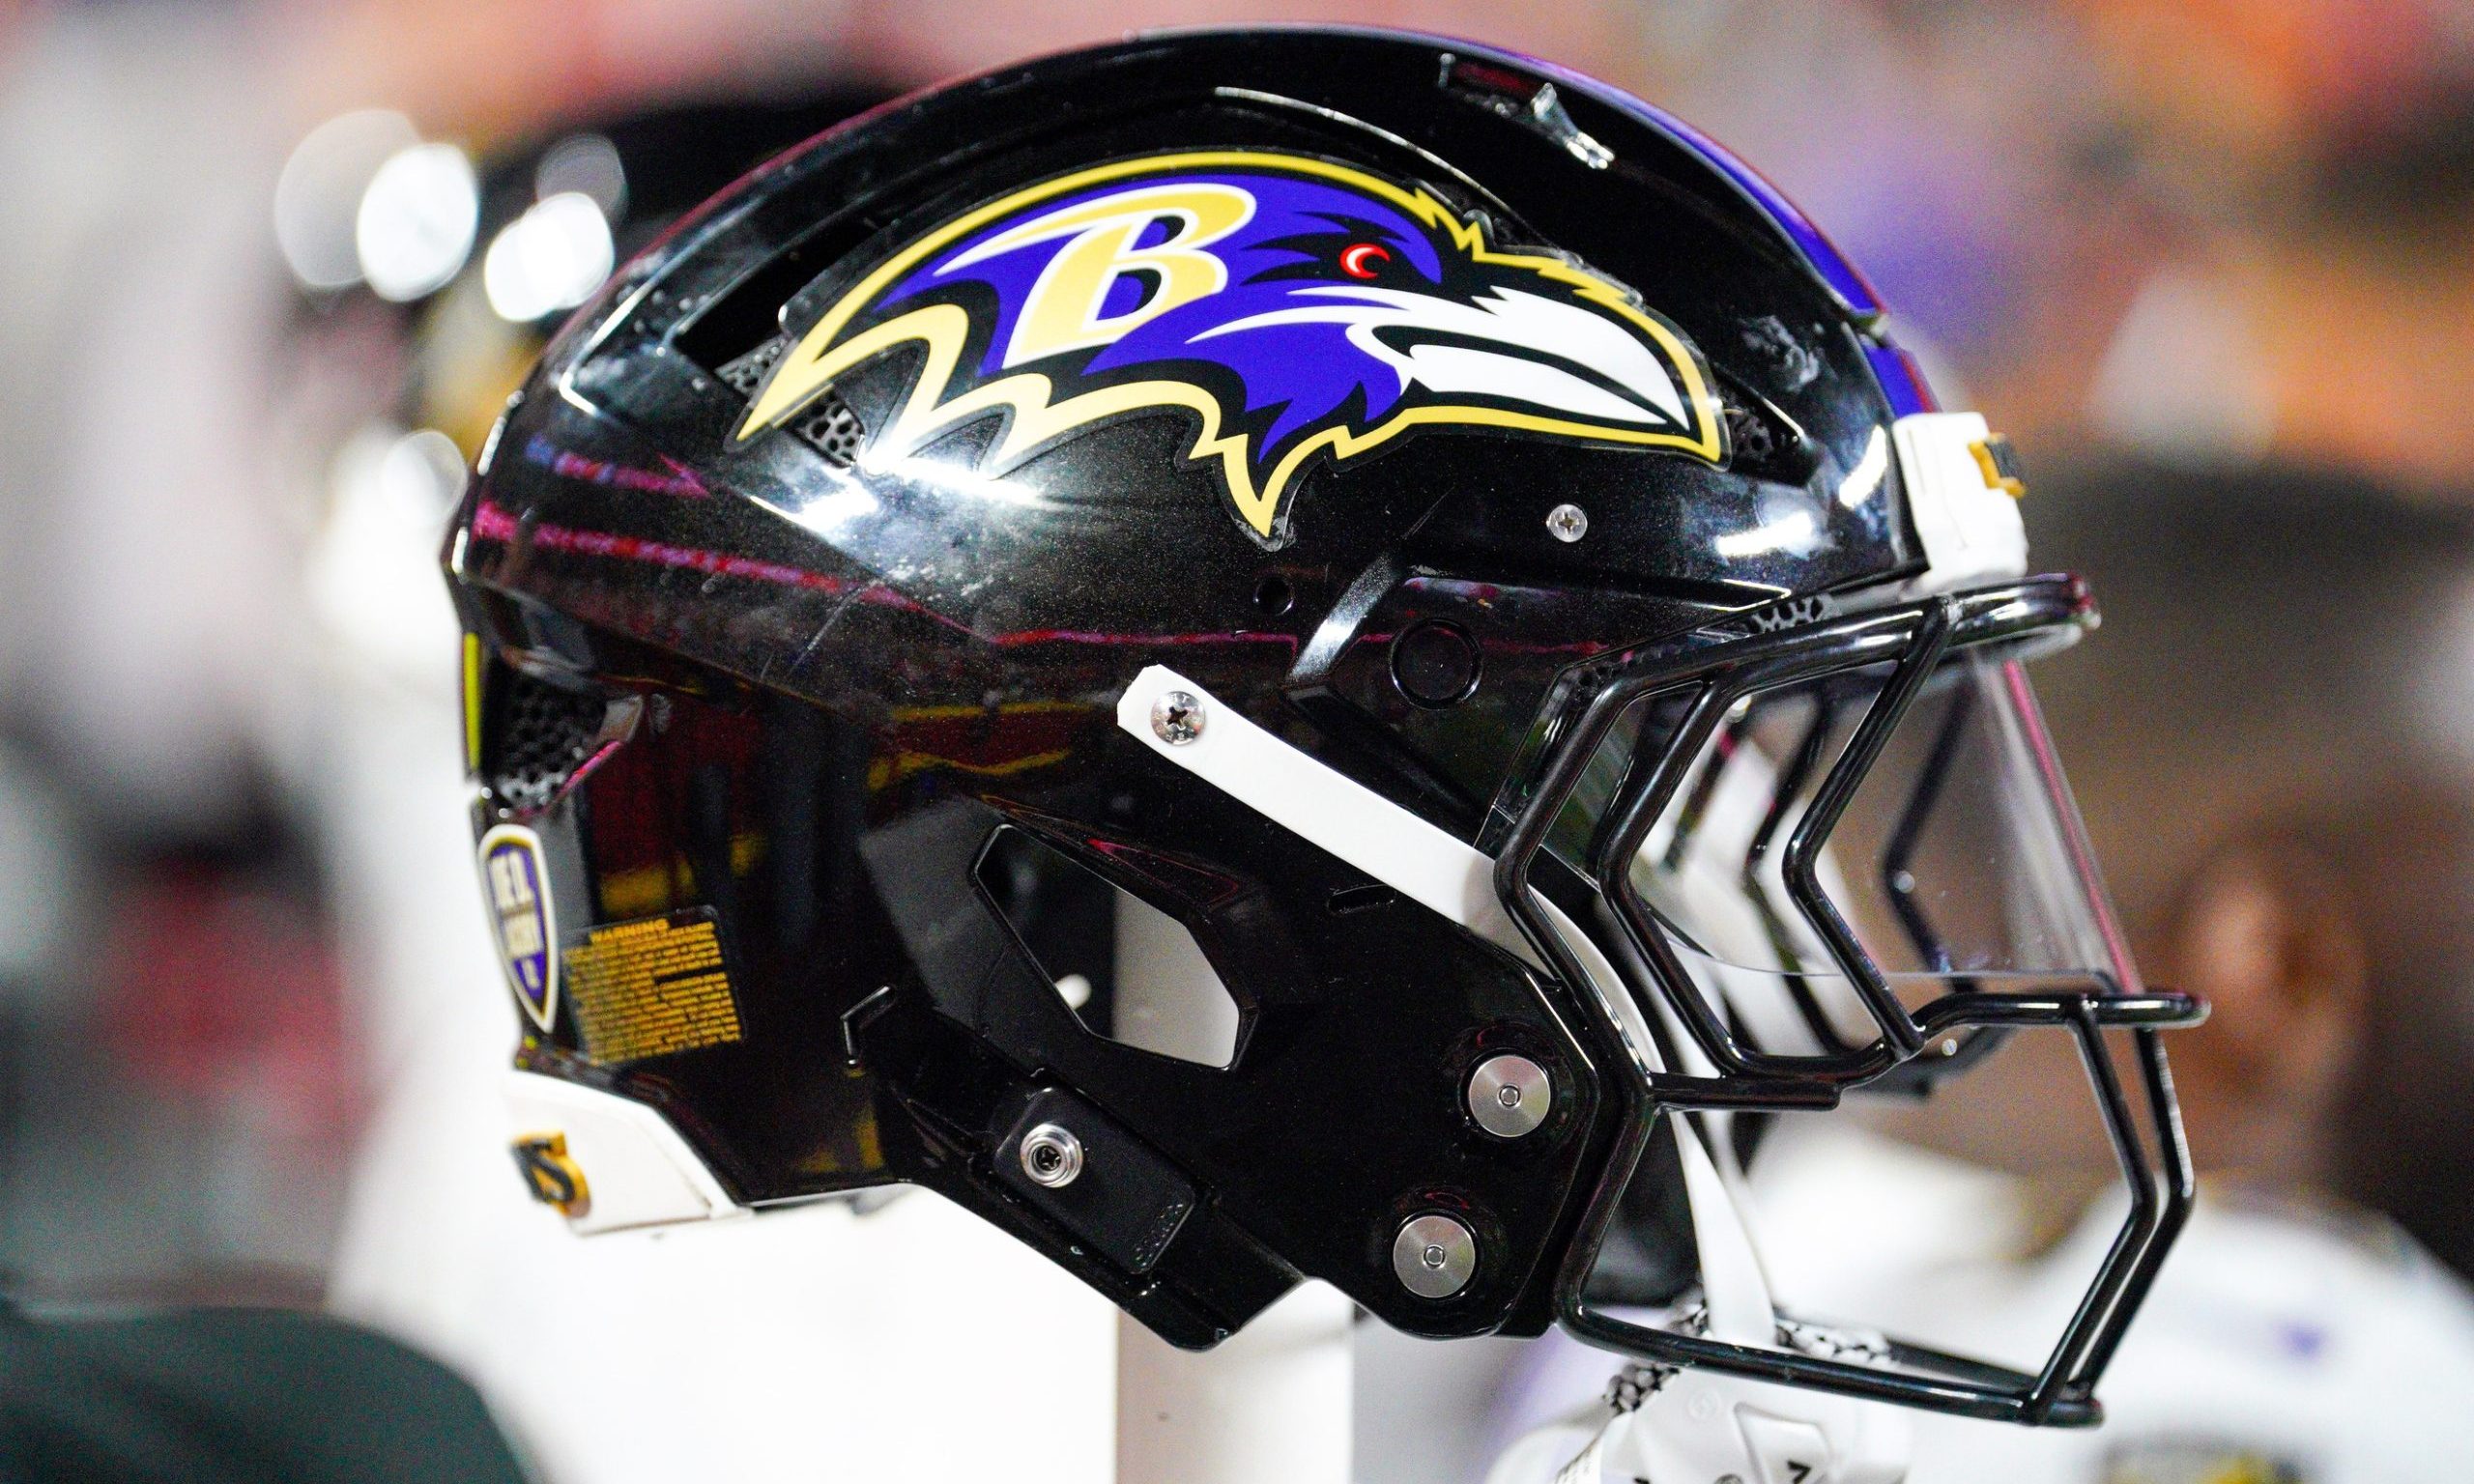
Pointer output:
x,y
1824,854
1786,866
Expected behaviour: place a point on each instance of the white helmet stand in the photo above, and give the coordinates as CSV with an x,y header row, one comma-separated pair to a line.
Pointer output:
x,y
1270,1402
1274,1400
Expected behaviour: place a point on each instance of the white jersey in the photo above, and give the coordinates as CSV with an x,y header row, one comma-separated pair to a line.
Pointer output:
x,y
2279,1346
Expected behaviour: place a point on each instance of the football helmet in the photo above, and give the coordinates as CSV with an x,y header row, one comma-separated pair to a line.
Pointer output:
x,y
1277,655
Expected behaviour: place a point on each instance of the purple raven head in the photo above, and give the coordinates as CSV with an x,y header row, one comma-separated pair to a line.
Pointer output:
x,y
1296,306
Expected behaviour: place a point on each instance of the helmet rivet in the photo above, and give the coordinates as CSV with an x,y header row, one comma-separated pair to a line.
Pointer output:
x,y
1568,522
1052,1156
1178,717
1510,1096
1434,1256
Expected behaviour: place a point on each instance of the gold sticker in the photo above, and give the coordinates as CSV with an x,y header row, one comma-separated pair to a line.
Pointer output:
x,y
650,988
1999,463
551,1175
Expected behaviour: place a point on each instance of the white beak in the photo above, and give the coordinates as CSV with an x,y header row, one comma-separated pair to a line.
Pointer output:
x,y
1508,346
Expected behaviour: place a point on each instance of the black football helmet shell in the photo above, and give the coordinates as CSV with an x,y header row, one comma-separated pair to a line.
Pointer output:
x,y
1434,537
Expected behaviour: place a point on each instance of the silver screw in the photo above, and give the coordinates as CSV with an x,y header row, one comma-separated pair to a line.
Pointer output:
x,y
1433,1256
1052,1156
1510,1096
1568,522
1178,717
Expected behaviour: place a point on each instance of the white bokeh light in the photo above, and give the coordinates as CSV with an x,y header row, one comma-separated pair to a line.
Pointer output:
x,y
588,164
372,574
318,196
417,220
550,258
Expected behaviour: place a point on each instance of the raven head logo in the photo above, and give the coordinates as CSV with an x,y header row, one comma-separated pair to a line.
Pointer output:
x,y
1296,308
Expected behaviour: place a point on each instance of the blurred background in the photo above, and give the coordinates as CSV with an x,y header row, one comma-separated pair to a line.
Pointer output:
x,y
270,268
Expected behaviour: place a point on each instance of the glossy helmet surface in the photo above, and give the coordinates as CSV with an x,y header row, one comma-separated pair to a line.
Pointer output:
x,y
1340,516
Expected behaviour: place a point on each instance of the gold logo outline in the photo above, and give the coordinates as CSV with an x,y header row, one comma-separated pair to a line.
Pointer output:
x,y
1037,419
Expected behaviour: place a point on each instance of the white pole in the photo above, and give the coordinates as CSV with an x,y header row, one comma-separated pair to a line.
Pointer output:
x,y
1273,1401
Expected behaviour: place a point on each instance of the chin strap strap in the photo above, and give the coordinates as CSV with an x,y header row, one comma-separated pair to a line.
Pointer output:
x,y
1733,1284
1691,1427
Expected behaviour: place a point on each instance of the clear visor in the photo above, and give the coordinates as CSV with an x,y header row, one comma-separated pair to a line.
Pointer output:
x,y
1956,864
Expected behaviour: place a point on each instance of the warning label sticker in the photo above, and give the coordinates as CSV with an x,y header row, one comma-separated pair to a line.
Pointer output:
x,y
650,988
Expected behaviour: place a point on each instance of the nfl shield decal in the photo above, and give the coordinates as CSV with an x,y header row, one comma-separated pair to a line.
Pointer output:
x,y
518,887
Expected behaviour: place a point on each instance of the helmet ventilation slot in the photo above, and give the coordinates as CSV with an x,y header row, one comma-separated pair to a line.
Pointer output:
x,y
1129,972
544,734
747,373
826,425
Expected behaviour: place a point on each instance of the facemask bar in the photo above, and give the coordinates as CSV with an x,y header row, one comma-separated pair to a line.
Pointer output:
x,y
2061,1393
1914,639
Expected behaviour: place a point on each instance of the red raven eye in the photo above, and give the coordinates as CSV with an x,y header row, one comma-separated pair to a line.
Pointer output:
x,y
1357,259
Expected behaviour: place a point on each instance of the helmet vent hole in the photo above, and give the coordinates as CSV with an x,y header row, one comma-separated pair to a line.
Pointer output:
x,y
830,428
1751,436
545,732
826,425
1129,971
1273,596
747,373
1762,440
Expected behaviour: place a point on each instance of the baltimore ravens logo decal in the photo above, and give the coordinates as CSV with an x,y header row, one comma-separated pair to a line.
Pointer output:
x,y
1297,308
